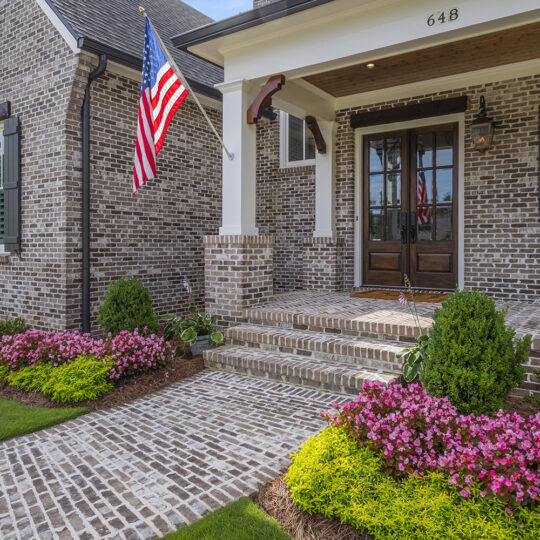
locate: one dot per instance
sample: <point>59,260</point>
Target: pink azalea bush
<point>417,433</point>
<point>131,353</point>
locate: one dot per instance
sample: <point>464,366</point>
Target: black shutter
<point>12,192</point>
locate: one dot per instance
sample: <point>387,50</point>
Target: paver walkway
<point>151,466</point>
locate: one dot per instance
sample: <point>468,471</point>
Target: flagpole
<point>180,75</point>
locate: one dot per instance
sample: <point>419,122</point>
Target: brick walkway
<point>156,464</point>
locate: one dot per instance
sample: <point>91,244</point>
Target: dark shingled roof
<point>118,25</point>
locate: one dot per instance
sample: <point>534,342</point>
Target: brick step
<point>360,327</point>
<point>319,346</point>
<point>292,368</point>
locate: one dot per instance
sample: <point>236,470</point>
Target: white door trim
<point>358,154</point>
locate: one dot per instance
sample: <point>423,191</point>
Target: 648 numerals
<point>443,17</point>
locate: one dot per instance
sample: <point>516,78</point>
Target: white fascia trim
<point>458,118</point>
<point>431,86</point>
<point>69,38</point>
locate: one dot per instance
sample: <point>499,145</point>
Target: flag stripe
<point>162,92</point>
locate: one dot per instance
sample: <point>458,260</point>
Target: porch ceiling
<point>489,50</point>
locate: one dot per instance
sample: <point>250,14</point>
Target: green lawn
<point>17,419</point>
<point>240,520</point>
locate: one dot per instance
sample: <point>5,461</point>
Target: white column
<point>325,184</point>
<point>239,174</point>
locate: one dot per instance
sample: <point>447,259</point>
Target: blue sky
<point>220,9</point>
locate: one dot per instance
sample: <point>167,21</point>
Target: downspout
<point>85,304</point>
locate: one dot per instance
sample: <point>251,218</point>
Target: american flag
<point>162,92</point>
<point>424,212</point>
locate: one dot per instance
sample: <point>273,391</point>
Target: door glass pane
<point>393,222</point>
<point>393,154</point>
<point>424,222</point>
<point>393,189</point>
<point>424,188</point>
<point>310,144</point>
<point>376,190</point>
<point>445,143</point>
<point>424,150</point>
<point>444,223</point>
<point>444,185</point>
<point>376,224</point>
<point>296,139</point>
<point>376,155</point>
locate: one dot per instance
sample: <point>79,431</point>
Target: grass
<point>18,419</point>
<point>240,520</point>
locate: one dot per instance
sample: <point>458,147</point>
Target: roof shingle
<point>118,24</point>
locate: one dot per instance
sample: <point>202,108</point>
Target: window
<point>1,182</point>
<point>297,142</point>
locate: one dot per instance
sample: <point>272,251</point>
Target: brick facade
<point>155,236</point>
<point>285,206</point>
<point>238,274</point>
<point>323,264</point>
<point>502,225</point>
<point>37,77</point>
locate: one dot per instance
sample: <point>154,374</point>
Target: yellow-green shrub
<point>30,378</point>
<point>86,378</point>
<point>331,475</point>
<point>4,372</point>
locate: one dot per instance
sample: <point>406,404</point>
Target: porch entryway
<point>410,183</point>
<point>330,341</point>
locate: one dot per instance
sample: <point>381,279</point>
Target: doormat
<point>389,294</point>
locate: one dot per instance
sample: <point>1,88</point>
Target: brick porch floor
<point>340,310</point>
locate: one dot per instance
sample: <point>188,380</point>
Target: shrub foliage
<point>471,356</point>
<point>127,306</point>
<point>331,475</point>
<point>84,379</point>
<point>13,326</point>
<point>415,434</point>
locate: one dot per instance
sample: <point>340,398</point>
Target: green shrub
<point>86,378</point>
<point>471,356</point>
<point>4,372</point>
<point>331,475</point>
<point>13,326</point>
<point>127,306</point>
<point>31,378</point>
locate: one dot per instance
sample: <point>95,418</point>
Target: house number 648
<point>443,16</point>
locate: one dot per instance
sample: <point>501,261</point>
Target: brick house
<point>328,207</point>
<point>388,180</point>
<point>49,48</point>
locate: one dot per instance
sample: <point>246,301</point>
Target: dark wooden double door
<point>410,207</point>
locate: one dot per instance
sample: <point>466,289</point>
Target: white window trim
<point>284,162</point>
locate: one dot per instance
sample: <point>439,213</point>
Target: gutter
<point>85,304</point>
<point>129,60</point>
<point>242,21</point>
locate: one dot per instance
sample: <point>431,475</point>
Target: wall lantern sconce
<point>482,128</point>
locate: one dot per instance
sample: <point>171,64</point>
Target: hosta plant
<point>189,329</point>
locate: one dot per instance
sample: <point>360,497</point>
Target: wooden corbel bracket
<point>264,98</point>
<point>313,126</point>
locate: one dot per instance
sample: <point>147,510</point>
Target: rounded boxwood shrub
<point>9,327</point>
<point>471,356</point>
<point>333,476</point>
<point>127,306</point>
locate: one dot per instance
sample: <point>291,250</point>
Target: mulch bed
<point>274,498</point>
<point>520,406</point>
<point>126,390</point>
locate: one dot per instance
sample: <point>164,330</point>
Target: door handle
<point>403,227</point>
<point>413,228</point>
